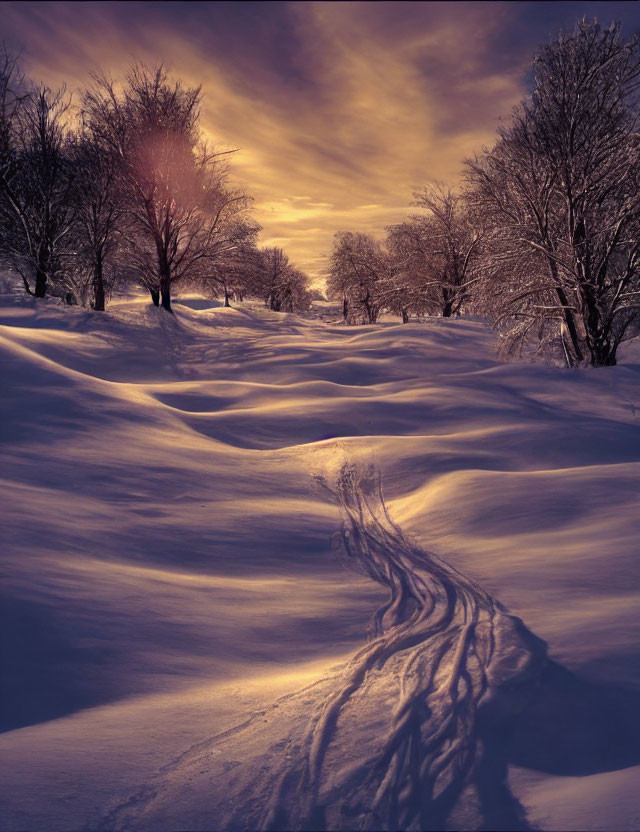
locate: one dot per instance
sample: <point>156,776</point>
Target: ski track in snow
<point>157,483</point>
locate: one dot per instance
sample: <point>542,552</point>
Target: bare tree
<point>11,97</point>
<point>283,287</point>
<point>36,180</point>
<point>100,218</point>
<point>357,271</point>
<point>561,191</point>
<point>297,297</point>
<point>274,275</point>
<point>433,255</point>
<point>10,100</point>
<point>412,288</point>
<point>233,271</point>
<point>452,241</point>
<point>175,188</point>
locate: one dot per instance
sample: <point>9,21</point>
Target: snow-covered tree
<point>560,193</point>
<point>433,255</point>
<point>358,272</point>
<point>283,287</point>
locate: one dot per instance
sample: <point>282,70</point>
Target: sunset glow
<point>339,110</point>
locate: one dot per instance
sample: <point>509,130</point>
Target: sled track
<point>443,662</point>
<point>458,646</point>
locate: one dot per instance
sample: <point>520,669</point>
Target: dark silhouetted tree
<point>36,182</point>
<point>100,217</point>
<point>175,190</point>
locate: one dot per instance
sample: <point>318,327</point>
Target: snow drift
<point>177,626</point>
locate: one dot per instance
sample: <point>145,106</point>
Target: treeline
<point>120,188</point>
<point>543,236</point>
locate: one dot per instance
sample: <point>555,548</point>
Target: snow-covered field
<point>168,572</point>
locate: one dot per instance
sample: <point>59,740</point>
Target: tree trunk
<point>165,297</point>
<point>604,358</point>
<point>371,314</point>
<point>601,351</point>
<point>568,315</point>
<point>345,309</point>
<point>27,288</point>
<point>155,296</point>
<point>447,303</point>
<point>226,297</point>
<point>274,302</point>
<point>571,325</point>
<point>98,287</point>
<point>41,283</point>
<point>165,285</point>
<point>405,316</point>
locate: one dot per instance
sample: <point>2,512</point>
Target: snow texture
<point>183,646</point>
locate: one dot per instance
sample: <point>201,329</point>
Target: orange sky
<point>339,110</point>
